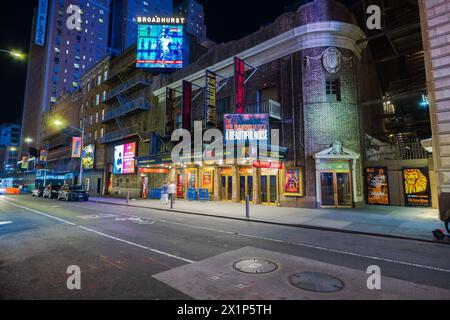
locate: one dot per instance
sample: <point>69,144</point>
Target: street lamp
<point>60,123</point>
<point>15,54</point>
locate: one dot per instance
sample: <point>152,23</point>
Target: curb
<point>300,226</point>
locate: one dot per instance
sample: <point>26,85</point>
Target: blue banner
<point>41,23</point>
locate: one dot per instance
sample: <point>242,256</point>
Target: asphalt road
<point>120,249</point>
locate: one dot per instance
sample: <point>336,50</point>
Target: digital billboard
<point>88,156</point>
<point>417,187</point>
<point>377,186</point>
<point>160,46</point>
<point>243,127</point>
<point>124,155</point>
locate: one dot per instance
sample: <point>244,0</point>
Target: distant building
<point>9,141</point>
<point>195,16</point>
<point>60,53</point>
<point>123,33</point>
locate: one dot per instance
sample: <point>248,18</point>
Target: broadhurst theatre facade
<point>302,73</point>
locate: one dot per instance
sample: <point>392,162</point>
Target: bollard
<point>171,200</point>
<point>247,207</point>
<point>128,197</point>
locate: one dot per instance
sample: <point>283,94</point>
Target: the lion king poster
<point>416,182</point>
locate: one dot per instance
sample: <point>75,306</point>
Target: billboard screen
<point>160,46</point>
<point>88,156</point>
<point>41,23</point>
<point>417,187</point>
<point>243,127</point>
<point>377,186</point>
<point>124,155</point>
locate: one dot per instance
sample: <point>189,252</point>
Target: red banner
<point>239,82</point>
<point>187,101</point>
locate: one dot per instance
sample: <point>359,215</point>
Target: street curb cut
<point>300,226</point>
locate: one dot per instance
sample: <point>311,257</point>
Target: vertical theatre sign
<point>417,187</point>
<point>76,147</point>
<point>41,23</point>
<point>210,104</point>
<point>239,85</point>
<point>377,186</point>
<point>170,110</point>
<point>43,155</point>
<point>187,101</point>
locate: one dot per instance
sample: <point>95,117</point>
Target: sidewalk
<point>383,220</point>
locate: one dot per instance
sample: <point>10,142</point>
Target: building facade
<point>123,33</point>
<point>435,30</point>
<point>195,17</point>
<point>62,48</point>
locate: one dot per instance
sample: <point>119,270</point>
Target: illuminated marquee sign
<point>210,105</point>
<point>160,20</point>
<point>243,127</point>
<point>41,23</point>
<point>239,83</point>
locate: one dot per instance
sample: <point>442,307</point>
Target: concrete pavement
<point>123,253</point>
<point>383,220</point>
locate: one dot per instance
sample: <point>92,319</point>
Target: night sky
<point>226,20</point>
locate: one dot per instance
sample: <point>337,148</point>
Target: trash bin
<point>154,194</point>
<point>191,194</point>
<point>203,194</point>
<point>444,206</point>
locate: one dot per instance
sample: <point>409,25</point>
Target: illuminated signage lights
<point>41,23</point>
<point>239,81</point>
<point>160,20</point>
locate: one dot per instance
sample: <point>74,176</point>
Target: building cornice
<point>321,34</point>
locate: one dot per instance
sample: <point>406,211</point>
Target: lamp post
<point>59,123</point>
<point>28,141</point>
<point>15,54</point>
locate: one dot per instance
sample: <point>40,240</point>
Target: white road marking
<point>2,223</point>
<point>103,234</point>
<point>305,245</point>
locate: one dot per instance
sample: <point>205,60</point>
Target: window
<point>99,80</point>
<point>96,117</point>
<point>102,132</point>
<point>333,88</point>
<point>95,135</point>
<point>97,99</point>
<point>92,120</point>
<point>103,114</point>
<point>104,96</point>
<point>105,75</point>
<point>82,108</point>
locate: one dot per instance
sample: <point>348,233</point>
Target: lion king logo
<point>415,181</point>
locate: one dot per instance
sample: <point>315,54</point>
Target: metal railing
<point>119,134</point>
<point>398,147</point>
<point>134,105</point>
<point>273,108</point>
<point>140,79</point>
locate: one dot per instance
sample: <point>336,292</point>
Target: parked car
<point>73,193</point>
<point>51,191</point>
<point>38,192</point>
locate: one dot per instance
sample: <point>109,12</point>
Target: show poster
<point>293,182</point>
<point>88,156</point>
<point>76,147</point>
<point>124,158</point>
<point>416,182</point>
<point>243,127</point>
<point>208,180</point>
<point>377,186</point>
<point>43,155</point>
<point>160,46</point>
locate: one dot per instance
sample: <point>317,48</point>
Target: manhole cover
<point>317,282</point>
<point>255,266</point>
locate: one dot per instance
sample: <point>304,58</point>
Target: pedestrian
<point>164,194</point>
<point>171,189</point>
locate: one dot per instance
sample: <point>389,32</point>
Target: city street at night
<point>132,253</point>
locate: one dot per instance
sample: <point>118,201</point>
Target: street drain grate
<point>255,266</point>
<point>317,282</point>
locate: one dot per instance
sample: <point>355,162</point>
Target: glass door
<point>269,189</point>
<point>227,188</point>
<point>245,187</point>
<point>336,189</point>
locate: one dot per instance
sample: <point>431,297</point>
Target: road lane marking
<point>2,223</point>
<point>299,244</point>
<point>104,234</point>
